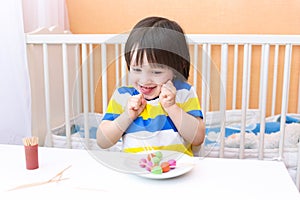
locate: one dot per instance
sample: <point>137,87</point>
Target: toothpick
<point>30,141</point>
<point>53,179</point>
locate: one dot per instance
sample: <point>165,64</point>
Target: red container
<point>32,157</point>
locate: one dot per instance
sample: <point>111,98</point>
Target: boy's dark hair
<point>162,41</point>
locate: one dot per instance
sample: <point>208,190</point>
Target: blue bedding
<point>270,127</point>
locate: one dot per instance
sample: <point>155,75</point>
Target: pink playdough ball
<point>143,162</point>
<point>149,166</point>
<point>172,163</point>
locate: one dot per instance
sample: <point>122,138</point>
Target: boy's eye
<point>136,69</point>
<point>156,72</point>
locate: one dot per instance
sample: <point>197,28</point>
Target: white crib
<point>73,76</point>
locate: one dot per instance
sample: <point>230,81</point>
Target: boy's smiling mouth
<point>147,89</point>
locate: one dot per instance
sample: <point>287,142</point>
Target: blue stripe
<point>132,91</point>
<point>180,85</point>
<point>110,116</point>
<point>159,123</point>
<point>196,113</point>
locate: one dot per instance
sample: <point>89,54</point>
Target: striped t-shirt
<point>153,129</point>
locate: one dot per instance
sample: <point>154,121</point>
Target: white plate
<point>184,164</point>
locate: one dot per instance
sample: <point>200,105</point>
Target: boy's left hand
<point>167,94</point>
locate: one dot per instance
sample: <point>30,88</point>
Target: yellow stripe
<point>191,104</point>
<point>152,111</point>
<point>175,147</point>
<point>114,107</point>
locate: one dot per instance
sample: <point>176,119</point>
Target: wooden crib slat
<point>117,60</point>
<point>276,52</point>
<point>205,79</point>
<point>262,55</point>
<point>263,102</point>
<point>104,76</point>
<point>208,73</point>
<point>244,99</point>
<point>235,72</point>
<point>91,77</point>
<point>47,93</point>
<point>78,94</point>
<point>66,94</point>
<point>285,94</point>
<point>123,66</point>
<point>249,72</point>
<point>223,91</point>
<point>85,89</point>
<point>195,65</point>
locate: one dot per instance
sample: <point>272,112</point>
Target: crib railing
<point>229,72</point>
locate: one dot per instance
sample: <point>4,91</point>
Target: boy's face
<point>149,78</point>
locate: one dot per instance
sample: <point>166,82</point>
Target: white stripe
<point>183,95</point>
<point>159,138</point>
<point>121,98</point>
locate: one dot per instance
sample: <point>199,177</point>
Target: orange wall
<point>195,16</point>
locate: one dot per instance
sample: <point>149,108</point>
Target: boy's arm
<point>109,132</point>
<point>189,127</point>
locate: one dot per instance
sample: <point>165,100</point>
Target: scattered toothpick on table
<point>30,141</point>
<point>56,178</point>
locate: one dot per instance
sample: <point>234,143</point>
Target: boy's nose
<point>145,78</point>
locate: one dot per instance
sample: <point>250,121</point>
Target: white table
<point>211,178</point>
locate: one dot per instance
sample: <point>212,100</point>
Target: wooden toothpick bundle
<point>30,141</point>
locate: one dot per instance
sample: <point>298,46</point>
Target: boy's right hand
<point>136,104</point>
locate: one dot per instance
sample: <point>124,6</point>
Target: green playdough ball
<point>155,160</point>
<point>156,170</point>
<point>158,154</point>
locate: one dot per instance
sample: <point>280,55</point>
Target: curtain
<point>15,100</point>
<point>18,17</point>
<point>41,14</point>
<point>45,17</point>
